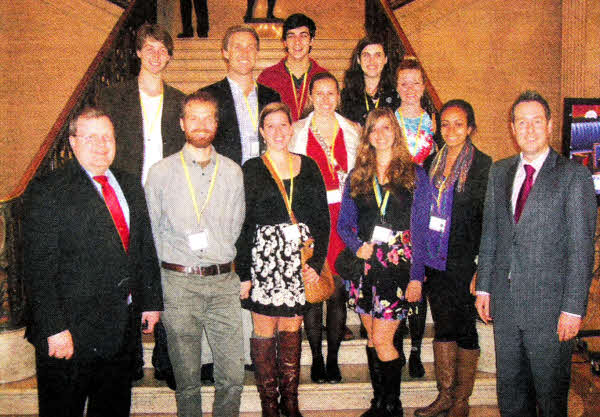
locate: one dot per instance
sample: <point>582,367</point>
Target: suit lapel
<point>510,179</point>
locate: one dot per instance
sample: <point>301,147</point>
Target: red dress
<point>316,152</point>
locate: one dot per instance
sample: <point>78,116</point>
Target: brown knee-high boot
<point>263,354</point>
<point>444,360</point>
<point>288,361</point>
<point>466,367</point>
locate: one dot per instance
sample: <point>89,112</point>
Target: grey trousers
<point>193,304</point>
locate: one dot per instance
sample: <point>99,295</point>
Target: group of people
<point>239,175</point>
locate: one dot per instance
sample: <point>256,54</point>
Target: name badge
<point>254,148</point>
<point>198,241</point>
<point>334,196</point>
<point>291,233</point>
<point>382,234</point>
<point>437,224</point>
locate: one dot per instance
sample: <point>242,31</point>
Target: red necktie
<point>112,202</point>
<point>524,192</point>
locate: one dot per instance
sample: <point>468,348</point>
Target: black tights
<point>336,322</point>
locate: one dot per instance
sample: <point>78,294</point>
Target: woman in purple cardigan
<point>383,222</point>
<point>459,174</point>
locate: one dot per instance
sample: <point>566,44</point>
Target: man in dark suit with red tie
<point>535,264</point>
<point>90,261</point>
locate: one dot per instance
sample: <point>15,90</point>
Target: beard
<point>200,138</point>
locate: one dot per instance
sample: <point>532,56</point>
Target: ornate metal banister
<point>115,61</point>
<point>380,20</point>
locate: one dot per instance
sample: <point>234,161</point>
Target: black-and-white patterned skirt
<point>277,287</point>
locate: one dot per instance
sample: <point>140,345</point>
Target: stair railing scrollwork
<point>115,61</point>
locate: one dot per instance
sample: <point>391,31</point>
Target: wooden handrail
<point>385,5</point>
<point>67,109</point>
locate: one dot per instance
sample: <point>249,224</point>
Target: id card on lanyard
<point>198,240</point>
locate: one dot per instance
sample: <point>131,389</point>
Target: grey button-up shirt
<point>172,210</point>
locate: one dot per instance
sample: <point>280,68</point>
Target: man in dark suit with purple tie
<point>90,263</point>
<point>535,264</point>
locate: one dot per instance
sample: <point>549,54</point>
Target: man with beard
<point>196,204</point>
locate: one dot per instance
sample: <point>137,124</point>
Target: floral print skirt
<point>380,291</point>
<point>277,287</point>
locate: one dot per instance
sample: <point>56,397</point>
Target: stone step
<point>218,64</point>
<point>265,44</point>
<point>354,393</point>
<point>352,352</point>
<point>199,62</point>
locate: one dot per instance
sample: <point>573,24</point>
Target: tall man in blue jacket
<point>535,263</point>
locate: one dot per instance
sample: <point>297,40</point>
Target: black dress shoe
<point>207,373</point>
<point>317,371</point>
<point>185,35</point>
<point>202,33</point>
<point>249,368</point>
<point>334,375</point>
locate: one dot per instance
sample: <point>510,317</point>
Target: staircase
<point>354,393</point>
<point>198,62</point>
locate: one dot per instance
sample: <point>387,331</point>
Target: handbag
<point>349,266</point>
<point>323,288</point>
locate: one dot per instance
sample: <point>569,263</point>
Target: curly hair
<point>354,77</point>
<point>401,171</point>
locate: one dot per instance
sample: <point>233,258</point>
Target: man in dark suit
<point>535,264</point>
<point>91,262</point>
<point>145,110</point>
<point>145,113</point>
<point>240,98</point>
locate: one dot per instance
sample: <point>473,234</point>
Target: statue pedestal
<point>17,356</point>
<point>487,359</point>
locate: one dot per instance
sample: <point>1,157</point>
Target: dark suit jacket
<point>549,253</point>
<point>228,139</point>
<point>77,273</point>
<point>122,103</point>
<point>467,215</point>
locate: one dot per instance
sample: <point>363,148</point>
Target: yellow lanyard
<point>191,187</point>
<point>414,150</point>
<point>377,189</point>
<point>331,162</point>
<point>367,102</point>
<point>156,116</point>
<point>442,187</point>
<point>298,104</point>
<point>253,115</point>
<point>291,196</point>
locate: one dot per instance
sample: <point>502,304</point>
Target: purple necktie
<point>524,192</point>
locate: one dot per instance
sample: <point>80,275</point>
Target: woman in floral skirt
<point>383,220</point>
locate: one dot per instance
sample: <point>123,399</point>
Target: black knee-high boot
<point>392,377</point>
<point>417,330</point>
<point>378,402</point>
